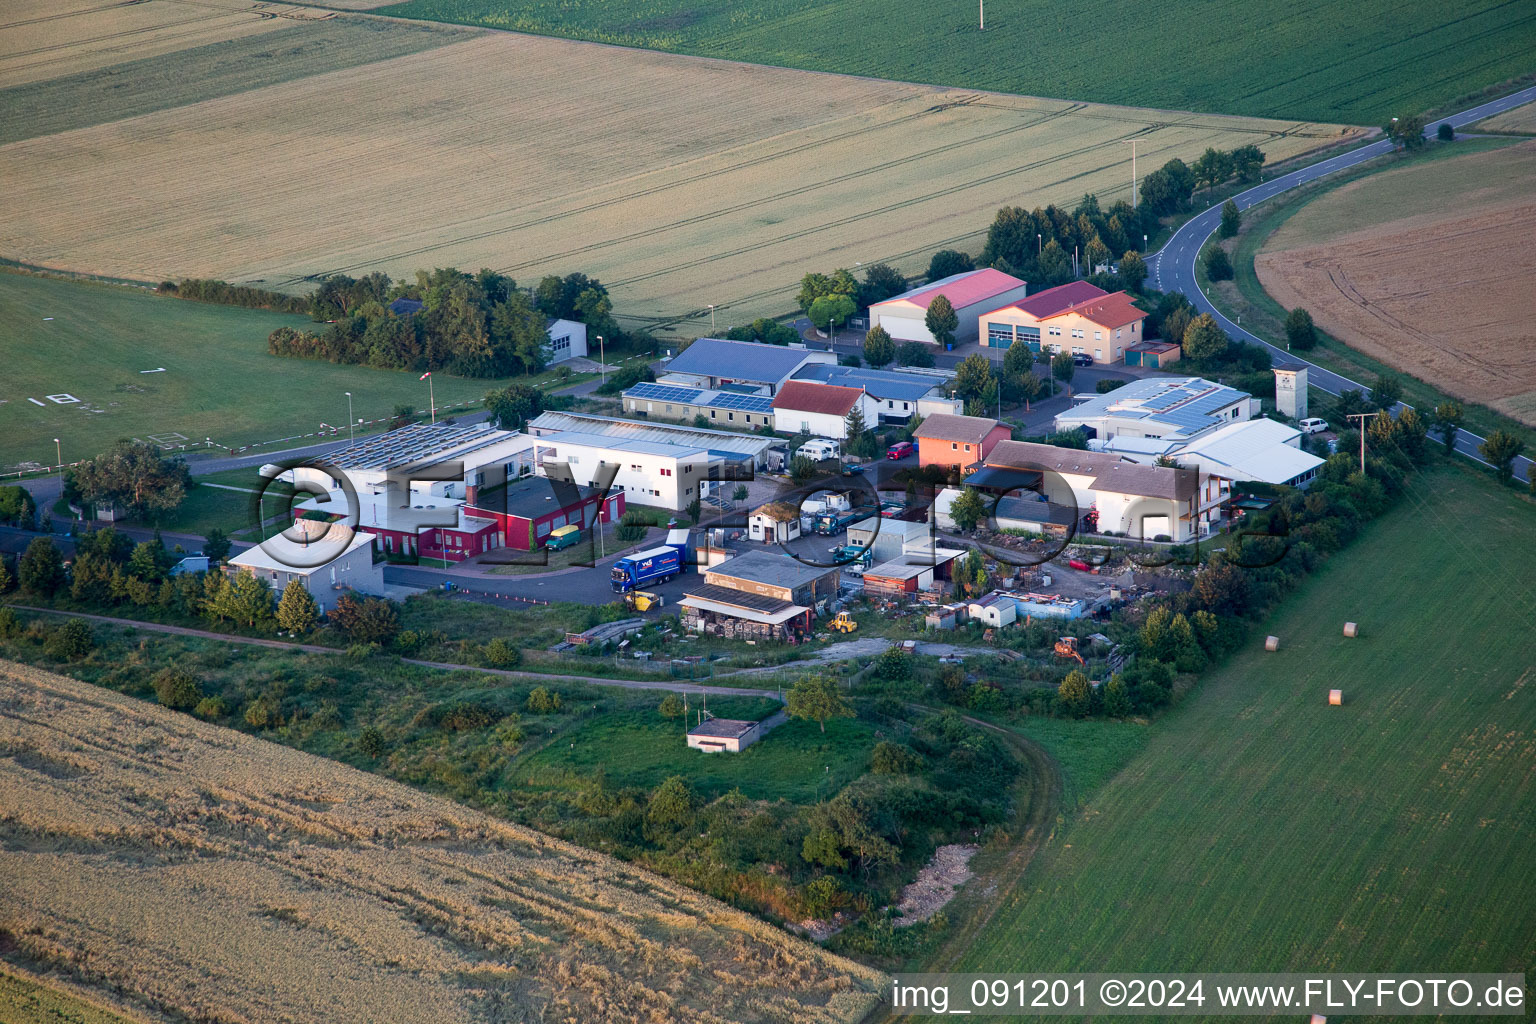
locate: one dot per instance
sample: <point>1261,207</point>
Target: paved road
<point>1173,267</point>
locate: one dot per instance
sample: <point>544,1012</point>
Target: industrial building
<point>898,394</point>
<point>716,362</point>
<point>1176,408</point>
<point>758,595</point>
<point>971,293</point>
<point>280,561</point>
<point>734,407</point>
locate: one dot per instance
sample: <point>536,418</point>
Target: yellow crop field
<point>1520,119</point>
<point>208,875</point>
<point>678,181</point>
<point>42,39</point>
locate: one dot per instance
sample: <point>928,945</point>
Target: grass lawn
<point>23,1001</point>
<point>1246,298</point>
<point>1261,829</point>
<point>219,381</point>
<point>637,747</point>
<point>1356,63</point>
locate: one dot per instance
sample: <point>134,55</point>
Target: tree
<point>216,546</point>
<point>861,440</point>
<point>1213,167</point>
<point>1445,133</point>
<point>670,808</point>
<point>1203,339</point>
<point>297,611</point>
<point>1231,220</point>
<point>245,599</point>
<point>1172,327</point>
<point>1248,163</point>
<point>1406,132</point>
<point>914,353</point>
<point>948,262</point>
<point>6,577</point>
<point>177,689</point>
<point>17,507</point>
<point>1117,699</point>
<point>1448,417</point>
<point>815,698</point>
<point>968,509</point>
<point>831,311</point>
<point>1300,331</point>
<point>365,619</point>
<point>973,376</point>
<point>942,321</point>
<point>514,405</point>
<point>1074,696</point>
<point>134,479</point>
<point>671,706</point>
<point>1500,450</point>
<point>894,665</point>
<point>1096,253</point>
<point>1218,265</point>
<point>542,701</point>
<point>41,569</point>
<point>879,349</point>
<point>1387,391</point>
<point>816,286</point>
<point>694,511</point>
<point>801,468</point>
<point>881,281</point>
<point>1063,367</point>
<point>1055,265</point>
<point>1133,270</point>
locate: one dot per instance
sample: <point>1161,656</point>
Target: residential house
<point>898,394</point>
<point>821,410</point>
<point>960,441</point>
<point>343,560</point>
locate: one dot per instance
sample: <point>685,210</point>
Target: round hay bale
<point>1336,697</point>
<point>1351,629</point>
<point>1271,643</point>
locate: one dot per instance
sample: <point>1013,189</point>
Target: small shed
<point>897,577</point>
<point>724,735</point>
<point>774,523</point>
<point>994,609</point>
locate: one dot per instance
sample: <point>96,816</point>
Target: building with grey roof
<point>1177,408</point>
<point>899,394</point>
<point>713,362</point>
<point>740,452</point>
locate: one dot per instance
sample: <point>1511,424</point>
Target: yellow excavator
<point>843,623</point>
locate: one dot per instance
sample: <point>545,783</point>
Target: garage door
<point>905,328</point>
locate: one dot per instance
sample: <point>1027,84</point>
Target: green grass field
<point>23,1001</point>
<point>1357,63</point>
<point>205,72</point>
<point>1263,830</point>
<point>795,762</point>
<point>219,381</point>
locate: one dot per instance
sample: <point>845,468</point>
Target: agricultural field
<point>1520,120</point>
<point>50,84</point>
<point>29,1000</point>
<point>218,379</point>
<point>677,182</point>
<point>181,867</point>
<point>1356,62</point>
<point>1396,264</point>
<point>1261,829</point>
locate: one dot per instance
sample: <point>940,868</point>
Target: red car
<point>900,450</point>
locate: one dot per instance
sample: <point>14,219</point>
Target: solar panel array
<point>406,446</point>
<point>746,403</point>
<point>699,396</point>
<point>666,393</point>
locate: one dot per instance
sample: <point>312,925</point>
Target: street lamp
<point>58,451</point>
<point>351,436</point>
<point>1039,245</point>
<point>711,318</point>
<point>602,359</point>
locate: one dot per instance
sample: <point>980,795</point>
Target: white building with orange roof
<point>972,293</point>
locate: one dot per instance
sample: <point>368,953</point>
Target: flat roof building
<point>712,362</point>
<point>1178,408</point>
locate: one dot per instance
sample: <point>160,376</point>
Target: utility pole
<point>1133,173</point>
<point>983,4</point>
<point>711,318</point>
<point>602,359</point>
<point>351,437</point>
<point>1362,417</point>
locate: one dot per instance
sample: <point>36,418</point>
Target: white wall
<point>792,421</point>
<point>675,480</point>
<point>567,340</point>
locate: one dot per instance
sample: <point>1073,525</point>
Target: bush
<point>70,641</point>
<point>464,717</point>
<point>210,708</point>
<point>264,712</point>
<point>894,759</point>
<point>500,654</point>
<point>10,624</point>
<point>1445,133</point>
<point>632,526</point>
<point>894,665</point>
<point>409,641</point>
<point>1108,384</point>
<point>822,896</point>
<point>670,707</point>
<point>543,702</point>
<point>365,619</point>
<point>1218,265</point>
<point>176,689</point>
<point>370,742</point>
<point>362,652</point>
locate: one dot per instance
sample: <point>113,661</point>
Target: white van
<point>1313,425</point>
<point>820,449</point>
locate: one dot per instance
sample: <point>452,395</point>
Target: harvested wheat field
<point>192,872</point>
<point>1520,119</point>
<point>1427,268</point>
<point>678,181</point>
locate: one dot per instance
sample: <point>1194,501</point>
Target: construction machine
<point>1066,647</point>
<point>843,623</point>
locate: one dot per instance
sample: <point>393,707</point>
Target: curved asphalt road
<point>1173,266</point>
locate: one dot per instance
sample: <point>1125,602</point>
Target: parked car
<point>900,450</point>
<point>1313,425</point>
<point>1082,359</point>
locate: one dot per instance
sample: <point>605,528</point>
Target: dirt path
<point>626,684</point>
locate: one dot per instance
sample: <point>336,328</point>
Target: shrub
<point>1445,133</point>
<point>671,706</point>
<point>670,808</point>
<point>264,712</point>
<point>370,742</point>
<point>500,654</point>
<point>632,526</point>
<point>894,665</point>
<point>1108,384</point>
<point>10,624</point>
<point>177,689</point>
<point>70,641</point>
<point>822,896</point>
<point>1218,265</point>
<point>362,652</point>
<point>465,717</point>
<point>409,641</point>
<point>366,619</point>
<point>894,759</point>
<point>543,702</point>
<point>210,708</point>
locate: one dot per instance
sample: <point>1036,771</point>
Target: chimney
<point>471,487</point>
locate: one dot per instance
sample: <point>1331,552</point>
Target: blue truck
<point>653,565</point>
